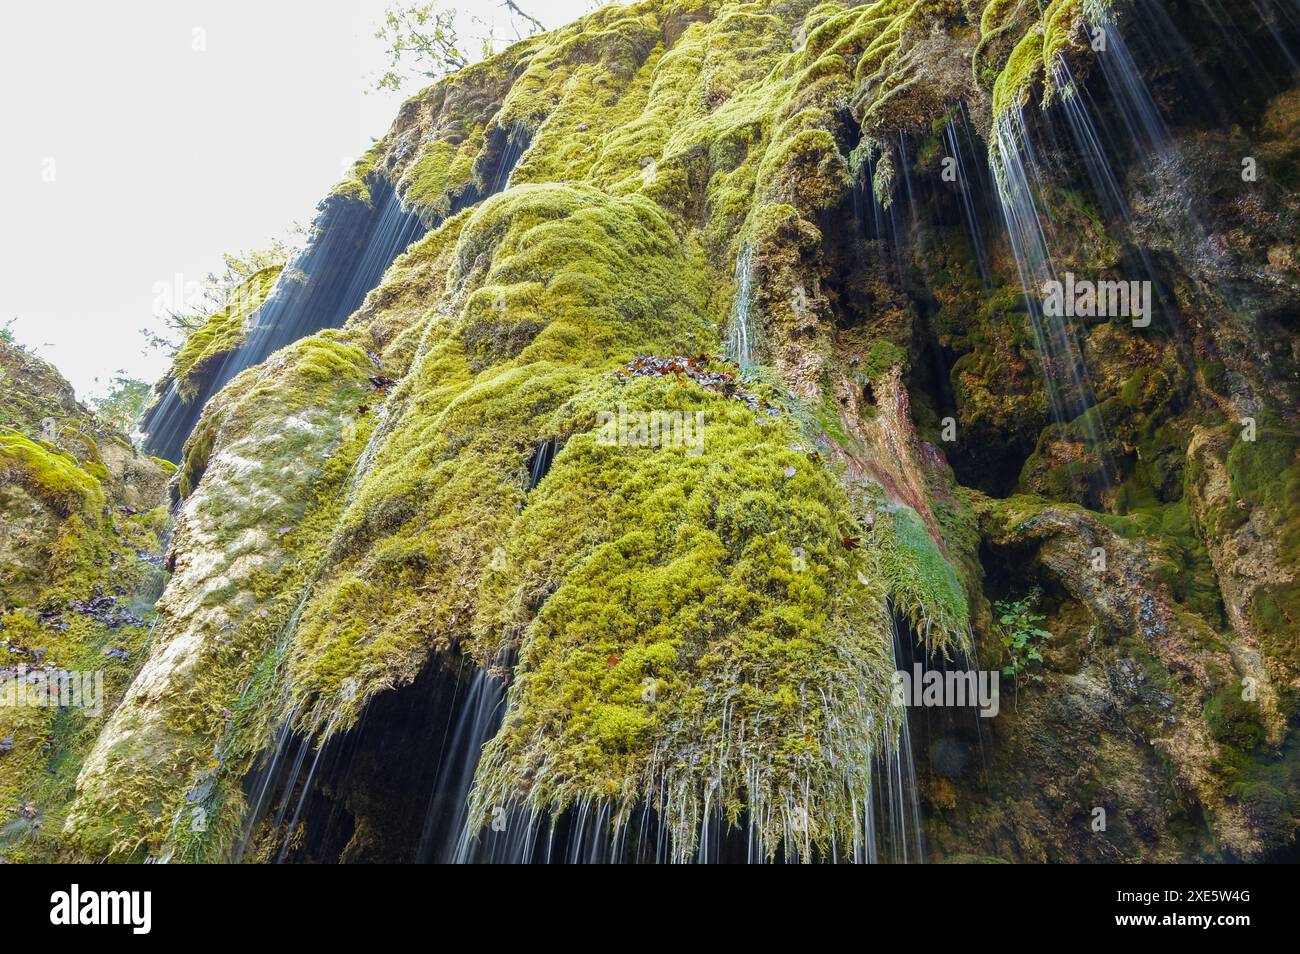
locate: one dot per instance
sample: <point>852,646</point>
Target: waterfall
<point>742,338</point>
<point>898,814</point>
<point>1137,109</point>
<point>881,232</point>
<point>351,247</point>
<point>960,139</point>
<point>475,720</point>
<point>1028,226</point>
<point>887,828</point>
<point>540,465</point>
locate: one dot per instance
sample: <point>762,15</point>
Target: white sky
<point>163,156</point>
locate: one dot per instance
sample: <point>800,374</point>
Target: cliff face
<point>523,473</point>
<point>80,565</point>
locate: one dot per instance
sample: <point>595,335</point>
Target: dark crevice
<point>540,462</point>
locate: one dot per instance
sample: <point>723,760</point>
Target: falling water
<point>351,247</point>
<point>881,231</point>
<point>1096,149</point>
<point>959,137</point>
<point>742,338</point>
<point>897,822</point>
<point>1131,134</point>
<point>540,465</point>
<point>1137,109</point>
<point>517,141</point>
<point>474,721</point>
<point>1020,187</point>
<point>887,827</point>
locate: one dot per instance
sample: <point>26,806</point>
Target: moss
<point>356,184</point>
<point>222,333</point>
<point>1183,562</point>
<point>551,287</point>
<point>33,393</point>
<point>442,170</point>
<point>719,583</point>
<point>924,588</point>
<point>74,586</point>
<point>1234,721</point>
<point>1264,783</point>
<point>1023,69</point>
<point>420,517</point>
<point>52,476</point>
<point>274,444</point>
<point>1265,480</point>
<point>1042,40</point>
<point>884,354</point>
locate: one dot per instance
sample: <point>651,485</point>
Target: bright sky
<point>144,139</point>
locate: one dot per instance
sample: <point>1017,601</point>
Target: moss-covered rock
<point>278,441</point>
<point>223,332</point>
<point>522,453</point>
<point>83,517</point>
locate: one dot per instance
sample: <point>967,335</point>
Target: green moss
<point>356,184</point>
<point>557,284</point>
<point>421,518</point>
<point>1023,69</point>
<point>884,354</point>
<point>33,393</point>
<point>689,587</point>
<point>52,476</point>
<point>1265,783</point>
<point>222,333</point>
<point>273,448</point>
<point>66,540</point>
<point>1047,39</point>
<point>442,170</point>
<point>1183,562</point>
<point>922,584</point>
<point>1234,721</point>
<point>1265,476</point>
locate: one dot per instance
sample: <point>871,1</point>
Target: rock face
<point>517,471</point>
<point>83,516</point>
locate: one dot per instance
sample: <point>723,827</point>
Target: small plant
<point>124,404</point>
<point>1021,636</point>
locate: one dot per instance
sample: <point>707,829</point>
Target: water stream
<point>351,247</point>
<point>742,336</point>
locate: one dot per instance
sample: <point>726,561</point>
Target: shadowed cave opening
<point>372,793</point>
<point>393,789</point>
